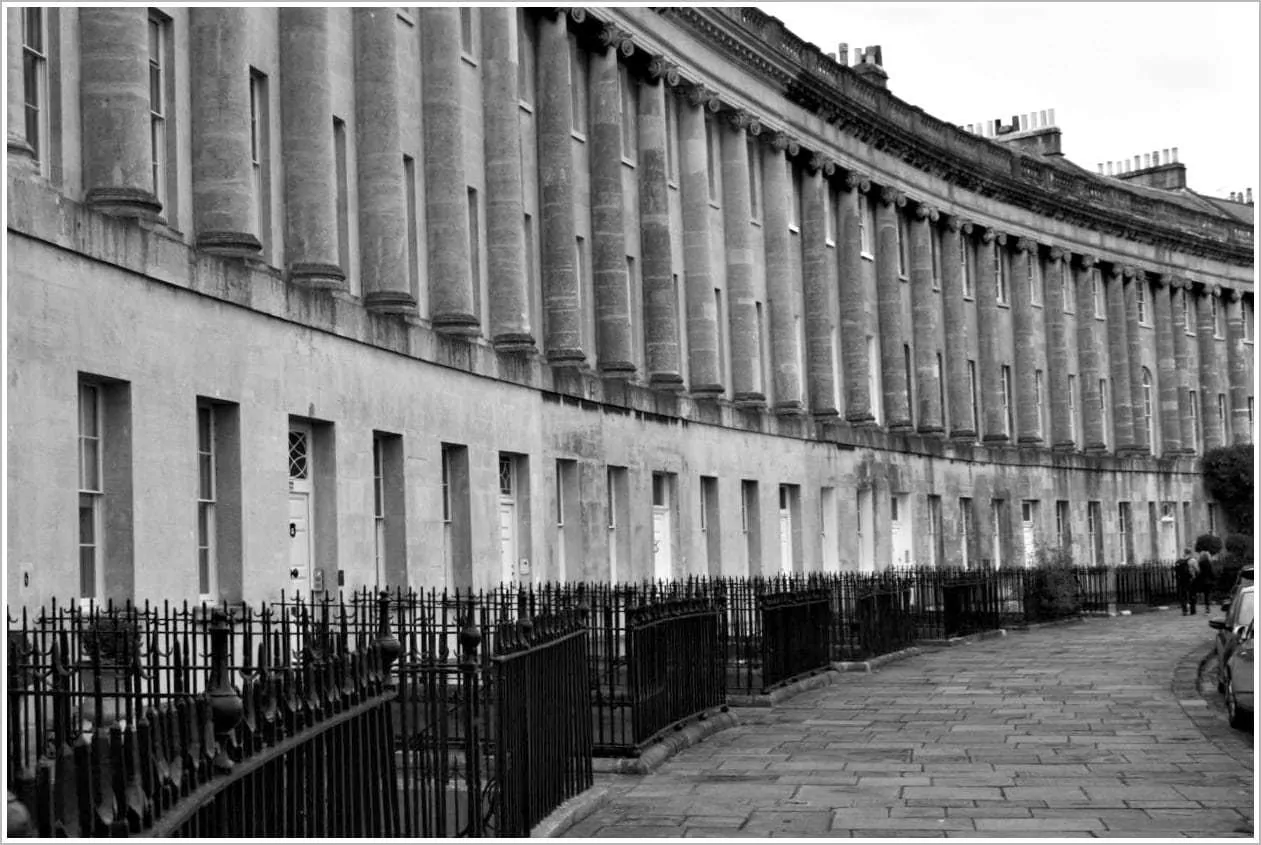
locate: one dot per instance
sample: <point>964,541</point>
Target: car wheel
<point>1239,718</point>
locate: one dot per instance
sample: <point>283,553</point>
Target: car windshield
<point>1245,609</point>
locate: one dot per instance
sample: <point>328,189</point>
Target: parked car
<point>1240,679</point>
<point>1243,579</point>
<point>1230,630</point>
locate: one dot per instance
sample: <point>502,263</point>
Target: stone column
<point>1094,439</point>
<point>925,314</point>
<point>382,190</point>
<point>661,322</point>
<point>1119,354</point>
<point>741,298</point>
<point>224,205</point>
<point>816,279</point>
<point>1237,358</point>
<point>21,153</point>
<point>889,307</point>
<point>779,273</point>
<point>957,235</point>
<point>1132,279</point>
<point>1167,366</point>
<point>510,328</point>
<point>854,357</point>
<point>990,365</point>
<point>114,103</point>
<point>702,319</point>
<point>452,304</point>
<point>1210,368</point>
<point>614,349</point>
<point>306,107</point>
<point>1057,351</point>
<point>1028,421</point>
<point>1186,377</point>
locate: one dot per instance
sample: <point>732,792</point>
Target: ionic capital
<point>1087,262</point>
<point>667,71</point>
<point>1056,254</point>
<point>699,95</point>
<point>821,163</point>
<point>613,36</point>
<point>857,181</point>
<point>1026,245</point>
<point>892,196</point>
<point>1232,294</point>
<point>993,236</point>
<point>925,211</point>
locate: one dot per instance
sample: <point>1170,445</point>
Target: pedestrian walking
<point>1184,576</point>
<point>1204,582</point>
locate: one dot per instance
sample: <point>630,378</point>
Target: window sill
<point>1035,304</point>
<point>829,242</point>
<point>525,107</point>
<point>754,222</point>
<point>867,256</point>
<point>714,205</point>
<point>902,277</point>
<point>406,18</point>
<point>467,58</point>
<point>626,162</point>
<point>1101,318</point>
<point>967,297</point>
<point>794,228</point>
<point>578,136</point>
<point>672,183</point>
<point>1003,305</point>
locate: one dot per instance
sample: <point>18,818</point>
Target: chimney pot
<point>1101,168</point>
<point>1175,155</point>
<point>1155,158</point>
<point>1147,160</point>
<point>1249,199</point>
<point>1109,168</point>
<point>1051,116</point>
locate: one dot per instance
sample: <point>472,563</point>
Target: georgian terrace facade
<point>304,298</point>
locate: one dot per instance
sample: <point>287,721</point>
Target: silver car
<point>1231,629</point>
<point>1240,681</point>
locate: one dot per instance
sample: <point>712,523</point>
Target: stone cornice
<point>761,45</point>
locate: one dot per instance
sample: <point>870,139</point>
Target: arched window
<point>1147,408</point>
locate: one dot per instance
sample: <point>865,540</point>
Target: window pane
<point>34,37</point>
<point>87,520</point>
<point>155,89</point>
<point>206,474</point>
<point>91,469</point>
<point>203,524</point>
<point>155,40</point>
<point>203,429</point>
<point>203,571</point>
<point>87,410</point>
<point>87,572</point>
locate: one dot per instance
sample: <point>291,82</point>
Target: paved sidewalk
<point>1069,731</point>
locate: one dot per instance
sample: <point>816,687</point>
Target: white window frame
<point>1092,530</point>
<point>158,116</point>
<point>446,485</point>
<point>35,75</point>
<point>904,245</point>
<point>1005,376</point>
<point>1072,408</point>
<point>672,142</point>
<point>864,229</point>
<point>829,216</point>
<point>1000,276</point>
<point>1104,423</point>
<point>965,263</point>
<point>527,82</point>
<point>754,154</point>
<point>934,248</point>
<point>745,487</point>
<point>1148,411</point>
<point>1123,530</point>
<point>1217,311</point>
<point>1038,403</point>
<point>1194,401</point>
<point>260,155</point>
<point>207,497</point>
<point>93,494</point>
<point>1096,292</point>
<point>1034,272</point>
<point>1140,300</point>
<point>579,68</point>
<point>628,97</point>
<point>1188,324</point>
<point>378,506</point>
<point>1068,306</point>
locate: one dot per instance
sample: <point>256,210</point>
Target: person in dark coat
<point>1204,583</point>
<point>1184,577</point>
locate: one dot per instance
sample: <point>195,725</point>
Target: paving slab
<point>1094,729</point>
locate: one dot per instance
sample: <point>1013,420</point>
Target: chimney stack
<point>842,54</point>
<point>1175,155</point>
<point>1249,199</point>
<point>869,65</point>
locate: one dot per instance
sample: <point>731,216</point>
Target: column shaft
<point>306,106</point>
<point>702,317</point>
<point>1210,369</point>
<point>19,147</point>
<point>889,309</point>
<point>661,320</point>
<point>1237,356</point>
<point>1134,349</point>
<point>779,280</point>
<point>816,280</point>
<point>452,302</point>
<point>741,297</point>
<point>1119,356</point>
<point>224,205</point>
<point>114,101</point>
<point>854,357</point>
<point>925,316</point>
<point>382,191</point>
<point>1089,370</point>
<point>510,327</point>
<point>1056,327</point>
<point>955,239</point>
<point>608,232</point>
<point>1167,367</point>
<point>1028,420</point>
<point>1185,375</point>
<point>994,429</point>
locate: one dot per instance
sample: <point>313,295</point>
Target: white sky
<point>1124,78</point>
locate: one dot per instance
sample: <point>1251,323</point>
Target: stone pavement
<point>1090,729</point>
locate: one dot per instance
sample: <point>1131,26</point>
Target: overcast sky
<point>1124,78</point>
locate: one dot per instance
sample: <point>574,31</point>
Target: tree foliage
<point>1210,543</point>
<point>1228,479</point>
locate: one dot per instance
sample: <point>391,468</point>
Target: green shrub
<point>1228,480</point>
<point>1052,590</point>
<point>1239,546</point>
<point>1210,543</point>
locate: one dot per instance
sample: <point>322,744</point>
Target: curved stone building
<point>302,298</point>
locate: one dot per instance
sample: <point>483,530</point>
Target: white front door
<point>507,540</point>
<point>662,559</point>
<point>785,541</point>
<point>900,531</point>
<point>300,541</point>
<point>301,490</point>
<point>1028,533</point>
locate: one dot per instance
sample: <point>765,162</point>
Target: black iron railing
<point>543,744</point>
<point>796,635</point>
